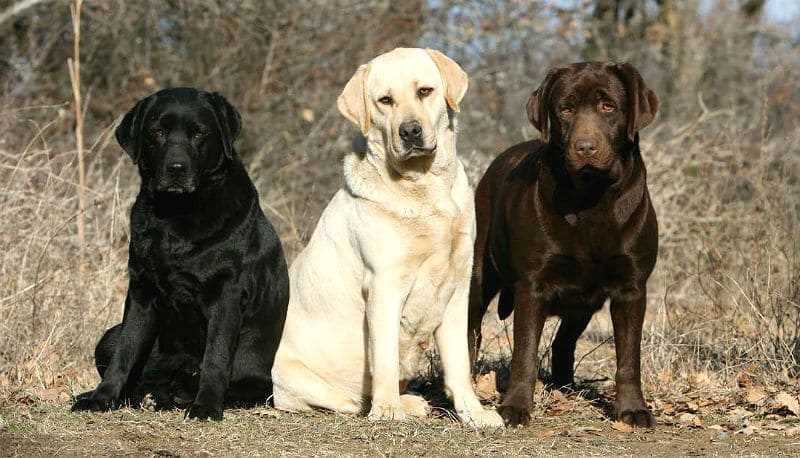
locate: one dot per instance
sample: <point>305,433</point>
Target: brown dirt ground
<point>48,428</point>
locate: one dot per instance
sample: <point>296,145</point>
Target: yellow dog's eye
<point>424,92</point>
<point>386,100</point>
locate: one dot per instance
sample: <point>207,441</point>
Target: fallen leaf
<point>486,386</point>
<point>747,430</point>
<point>265,412</point>
<point>755,395</point>
<point>744,380</point>
<point>739,413</point>
<point>622,427</point>
<point>545,434</point>
<point>775,427</point>
<point>691,420</point>
<point>786,400</point>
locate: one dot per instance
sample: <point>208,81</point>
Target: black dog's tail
<point>505,305</point>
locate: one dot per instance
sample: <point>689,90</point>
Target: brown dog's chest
<point>576,261</point>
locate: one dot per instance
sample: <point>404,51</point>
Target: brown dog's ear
<point>642,102</point>
<point>352,102</point>
<point>229,121</point>
<point>129,131</point>
<point>455,78</point>
<point>538,107</point>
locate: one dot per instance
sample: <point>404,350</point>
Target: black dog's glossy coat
<point>565,223</point>
<point>208,286</point>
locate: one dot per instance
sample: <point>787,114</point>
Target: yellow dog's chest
<point>441,270</point>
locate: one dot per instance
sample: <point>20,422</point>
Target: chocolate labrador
<point>208,286</point>
<point>565,223</point>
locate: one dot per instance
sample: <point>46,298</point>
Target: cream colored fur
<point>386,273</point>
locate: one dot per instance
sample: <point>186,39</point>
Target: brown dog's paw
<point>204,412</point>
<point>514,416</point>
<point>640,417</point>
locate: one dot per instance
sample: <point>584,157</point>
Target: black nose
<point>585,147</point>
<point>176,167</point>
<point>411,132</point>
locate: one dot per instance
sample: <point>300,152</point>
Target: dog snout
<point>411,133</point>
<point>586,146</point>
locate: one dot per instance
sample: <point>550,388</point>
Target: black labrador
<point>564,224</point>
<point>208,286</point>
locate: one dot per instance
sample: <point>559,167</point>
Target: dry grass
<point>724,172</point>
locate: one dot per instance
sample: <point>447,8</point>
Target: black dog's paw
<point>92,404</point>
<point>204,412</point>
<point>514,416</point>
<point>639,417</point>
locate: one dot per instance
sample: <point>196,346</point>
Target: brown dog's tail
<point>505,304</point>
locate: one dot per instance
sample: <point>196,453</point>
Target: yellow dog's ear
<point>455,79</point>
<point>352,102</point>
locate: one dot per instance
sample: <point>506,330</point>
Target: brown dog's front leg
<point>529,320</point>
<point>627,315</point>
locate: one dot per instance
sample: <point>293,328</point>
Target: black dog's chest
<point>166,262</point>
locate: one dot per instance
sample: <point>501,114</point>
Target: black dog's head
<point>179,137</point>
<point>592,112</point>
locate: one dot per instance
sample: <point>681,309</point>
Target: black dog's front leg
<point>224,325</point>
<point>136,339</point>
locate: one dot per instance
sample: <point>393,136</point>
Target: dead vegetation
<point>721,354</point>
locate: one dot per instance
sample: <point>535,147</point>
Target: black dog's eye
<point>607,107</point>
<point>158,132</point>
<point>424,92</point>
<point>199,134</point>
<point>386,100</point>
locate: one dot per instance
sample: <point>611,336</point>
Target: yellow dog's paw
<point>382,412</point>
<point>414,406</point>
<point>483,418</point>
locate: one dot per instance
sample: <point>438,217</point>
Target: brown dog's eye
<point>567,111</point>
<point>424,92</point>
<point>386,100</point>
<point>607,107</point>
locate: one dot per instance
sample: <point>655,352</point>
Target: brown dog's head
<point>592,111</point>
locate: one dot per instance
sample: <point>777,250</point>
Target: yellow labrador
<point>388,266</point>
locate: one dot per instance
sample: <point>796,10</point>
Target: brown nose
<point>585,147</point>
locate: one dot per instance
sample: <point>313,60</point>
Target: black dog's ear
<point>129,130</point>
<point>538,107</point>
<point>229,120</point>
<point>642,102</point>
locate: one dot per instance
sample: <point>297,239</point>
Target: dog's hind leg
<point>483,288</point>
<point>563,360</point>
<point>105,348</point>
